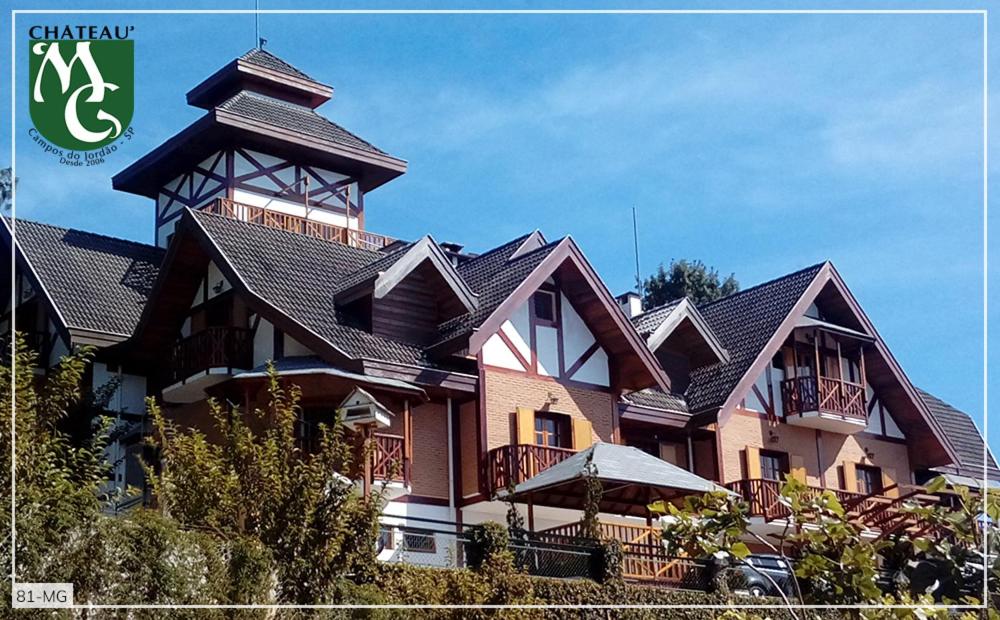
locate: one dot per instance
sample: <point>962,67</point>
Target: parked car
<point>752,573</point>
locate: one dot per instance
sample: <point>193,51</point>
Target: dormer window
<point>545,306</point>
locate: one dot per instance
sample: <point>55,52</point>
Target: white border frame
<point>985,15</point>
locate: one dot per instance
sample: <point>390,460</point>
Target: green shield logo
<point>82,92</point>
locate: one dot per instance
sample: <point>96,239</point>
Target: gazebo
<point>630,481</point>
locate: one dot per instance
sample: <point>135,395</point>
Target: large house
<point>476,374</point>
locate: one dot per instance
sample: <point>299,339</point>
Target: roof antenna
<point>635,240</point>
<point>258,41</point>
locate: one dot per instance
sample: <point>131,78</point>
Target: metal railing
<point>212,347</point>
<point>297,224</point>
<point>513,464</point>
<point>802,394</point>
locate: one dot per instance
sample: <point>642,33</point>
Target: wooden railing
<point>802,394</point>
<point>389,458</point>
<point>213,347</point>
<point>297,224</point>
<point>516,463</point>
<point>764,498</point>
<point>644,558</point>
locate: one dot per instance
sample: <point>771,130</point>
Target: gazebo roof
<point>631,480</point>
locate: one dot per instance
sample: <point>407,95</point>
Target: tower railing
<point>297,224</point>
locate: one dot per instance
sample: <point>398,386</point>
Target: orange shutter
<point>797,468</point>
<point>753,462</point>
<point>525,426</point>
<point>889,480</point>
<point>583,435</point>
<point>850,477</point>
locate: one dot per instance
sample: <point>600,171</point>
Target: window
<point>545,306</point>
<point>419,542</point>
<point>869,479</point>
<point>552,429</point>
<point>773,465</point>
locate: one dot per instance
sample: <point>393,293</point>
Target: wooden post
<point>531,513</point>
<point>366,434</point>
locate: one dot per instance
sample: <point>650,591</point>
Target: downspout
<point>452,510</point>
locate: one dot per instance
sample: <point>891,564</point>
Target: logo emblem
<point>82,92</point>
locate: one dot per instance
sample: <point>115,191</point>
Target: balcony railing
<point>764,498</point>
<point>389,458</point>
<point>823,394</point>
<point>514,464</point>
<point>213,347</point>
<point>297,224</point>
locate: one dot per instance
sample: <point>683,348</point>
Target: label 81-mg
<point>43,595</point>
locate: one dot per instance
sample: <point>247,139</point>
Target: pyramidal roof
<point>262,101</point>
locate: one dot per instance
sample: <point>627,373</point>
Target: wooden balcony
<point>516,463</point>
<point>297,224</point>
<point>223,348</point>
<point>825,403</point>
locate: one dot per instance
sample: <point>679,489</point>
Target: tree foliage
<point>684,278</point>
<point>301,505</point>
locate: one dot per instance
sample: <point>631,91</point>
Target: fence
<point>433,542</point>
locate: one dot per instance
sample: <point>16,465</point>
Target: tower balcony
<point>298,224</point>
<point>825,403</point>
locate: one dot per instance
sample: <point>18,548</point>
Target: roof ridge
<point>673,301</point>
<point>762,284</point>
<point>500,247</point>
<point>85,232</point>
<point>548,245</point>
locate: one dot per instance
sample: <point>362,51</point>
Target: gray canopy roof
<point>632,479</point>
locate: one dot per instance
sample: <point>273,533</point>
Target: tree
<point>683,278</point>
<point>302,506</point>
<point>7,183</point>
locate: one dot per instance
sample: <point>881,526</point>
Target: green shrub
<point>485,541</point>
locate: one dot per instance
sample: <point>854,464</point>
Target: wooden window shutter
<point>668,453</point>
<point>583,436</point>
<point>889,480</point>
<point>850,477</point>
<point>753,462</point>
<point>797,468</point>
<point>525,426</point>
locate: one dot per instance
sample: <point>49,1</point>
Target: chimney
<point>631,304</point>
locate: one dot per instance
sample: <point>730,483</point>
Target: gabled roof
<point>965,439</point>
<point>298,275</point>
<point>98,285</point>
<point>384,274</point>
<point>680,311</point>
<point>744,322</point>
<point>636,367</point>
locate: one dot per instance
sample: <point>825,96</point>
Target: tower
<point>262,153</point>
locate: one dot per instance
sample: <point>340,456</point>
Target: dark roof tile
<point>963,435</point>
<point>97,283</point>
<point>292,117</point>
<point>263,58</point>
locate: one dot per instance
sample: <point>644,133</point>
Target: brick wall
<point>750,428</point>
<point>505,391</point>
<point>429,473</point>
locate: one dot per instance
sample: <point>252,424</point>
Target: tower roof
<point>263,72</point>
<point>259,101</point>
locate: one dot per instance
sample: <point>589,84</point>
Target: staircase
<point>885,515</point>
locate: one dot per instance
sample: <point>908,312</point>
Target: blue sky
<point>759,144</point>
